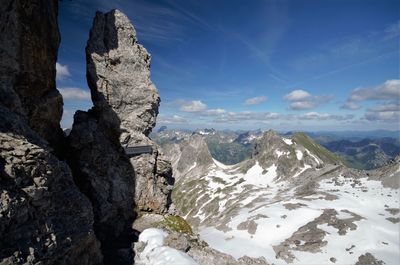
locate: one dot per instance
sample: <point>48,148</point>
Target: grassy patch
<point>175,223</point>
<point>320,151</point>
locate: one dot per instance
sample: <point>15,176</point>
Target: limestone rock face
<point>105,175</point>
<point>191,154</point>
<point>126,105</point>
<point>29,40</point>
<point>118,72</point>
<point>43,216</point>
<point>44,219</point>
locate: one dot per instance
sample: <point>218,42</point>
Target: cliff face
<point>125,109</point>
<point>29,40</point>
<point>126,103</point>
<point>43,216</point>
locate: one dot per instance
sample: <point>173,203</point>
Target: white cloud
<point>382,116</point>
<point>387,111</point>
<point>174,119</point>
<point>301,100</point>
<point>255,100</point>
<point>234,117</point>
<point>247,116</point>
<point>198,107</point>
<point>386,91</point>
<point>323,116</point>
<point>193,106</point>
<point>62,71</point>
<point>214,112</point>
<point>297,95</point>
<point>301,105</point>
<point>387,106</point>
<point>74,93</point>
<point>350,105</point>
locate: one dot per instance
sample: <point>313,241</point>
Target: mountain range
<point>231,147</point>
<point>291,201</point>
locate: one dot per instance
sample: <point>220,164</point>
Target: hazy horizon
<point>285,65</point>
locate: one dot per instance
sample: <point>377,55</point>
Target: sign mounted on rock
<point>131,151</point>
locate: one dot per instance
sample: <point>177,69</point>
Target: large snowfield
<point>343,219</point>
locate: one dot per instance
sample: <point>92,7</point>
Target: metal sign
<point>138,150</point>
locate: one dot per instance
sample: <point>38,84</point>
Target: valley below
<point>291,202</point>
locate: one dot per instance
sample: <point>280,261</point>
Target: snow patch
<point>193,166</point>
<point>287,141</point>
<point>280,153</point>
<point>299,154</point>
<point>155,253</point>
<point>256,177</point>
<point>313,156</point>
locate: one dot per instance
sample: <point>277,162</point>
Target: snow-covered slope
<point>156,253</point>
<point>293,202</point>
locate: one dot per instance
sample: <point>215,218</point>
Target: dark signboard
<point>138,150</point>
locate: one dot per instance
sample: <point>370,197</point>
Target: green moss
<point>175,223</point>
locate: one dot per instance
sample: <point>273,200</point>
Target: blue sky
<point>285,65</point>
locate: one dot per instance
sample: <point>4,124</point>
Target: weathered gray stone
<point>368,259</point>
<point>118,72</point>
<point>44,219</point>
<point>104,174</point>
<point>126,105</point>
<point>29,40</point>
<point>43,216</point>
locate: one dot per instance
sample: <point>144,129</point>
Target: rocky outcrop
<point>118,72</point>
<point>44,219</point>
<point>125,109</point>
<point>43,216</point>
<point>126,102</point>
<point>104,174</point>
<point>191,153</point>
<point>29,40</point>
